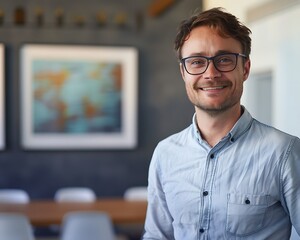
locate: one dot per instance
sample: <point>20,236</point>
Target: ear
<point>247,66</point>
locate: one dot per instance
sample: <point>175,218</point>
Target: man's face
<point>214,91</point>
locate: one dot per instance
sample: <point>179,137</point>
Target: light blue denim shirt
<point>245,187</point>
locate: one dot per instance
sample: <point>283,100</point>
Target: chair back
<point>14,196</point>
<point>136,194</point>
<point>87,225</point>
<point>15,227</point>
<point>75,194</point>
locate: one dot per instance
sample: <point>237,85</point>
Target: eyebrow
<point>204,55</point>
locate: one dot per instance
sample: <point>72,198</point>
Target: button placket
<point>206,201</point>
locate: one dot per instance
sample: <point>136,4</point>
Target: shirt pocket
<point>245,213</point>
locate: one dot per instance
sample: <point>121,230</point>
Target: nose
<point>211,71</point>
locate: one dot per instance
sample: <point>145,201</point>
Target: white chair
<point>87,225</point>
<point>15,227</point>
<point>136,194</point>
<point>72,194</point>
<point>14,196</point>
<point>75,194</point>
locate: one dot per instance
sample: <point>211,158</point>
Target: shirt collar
<point>241,126</point>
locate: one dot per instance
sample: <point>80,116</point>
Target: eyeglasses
<point>225,62</point>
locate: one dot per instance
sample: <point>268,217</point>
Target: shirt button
<point>247,201</point>
<point>205,193</point>
<point>212,156</point>
<point>201,230</point>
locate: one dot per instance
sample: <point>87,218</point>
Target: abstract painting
<point>78,97</point>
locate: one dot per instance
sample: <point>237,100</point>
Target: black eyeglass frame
<point>182,60</point>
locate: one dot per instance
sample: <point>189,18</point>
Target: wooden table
<point>48,212</point>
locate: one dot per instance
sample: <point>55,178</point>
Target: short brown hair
<point>226,24</point>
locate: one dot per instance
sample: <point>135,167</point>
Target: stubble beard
<point>217,109</point>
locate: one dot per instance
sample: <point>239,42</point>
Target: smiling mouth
<point>212,88</point>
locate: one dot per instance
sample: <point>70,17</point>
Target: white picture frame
<point>78,97</point>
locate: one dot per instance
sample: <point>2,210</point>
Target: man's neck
<point>214,127</point>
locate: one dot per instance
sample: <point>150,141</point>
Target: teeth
<point>212,88</point>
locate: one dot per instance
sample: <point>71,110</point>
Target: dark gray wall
<point>163,107</point>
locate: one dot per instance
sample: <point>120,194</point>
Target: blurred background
<point>162,106</point>
<point>271,93</point>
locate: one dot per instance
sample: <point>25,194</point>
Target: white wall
<point>276,48</point>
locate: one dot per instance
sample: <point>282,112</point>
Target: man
<point>226,176</point>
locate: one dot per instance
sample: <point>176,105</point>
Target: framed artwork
<point>2,96</point>
<point>78,97</point>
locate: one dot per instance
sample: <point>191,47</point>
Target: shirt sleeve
<point>158,224</point>
<point>291,183</point>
